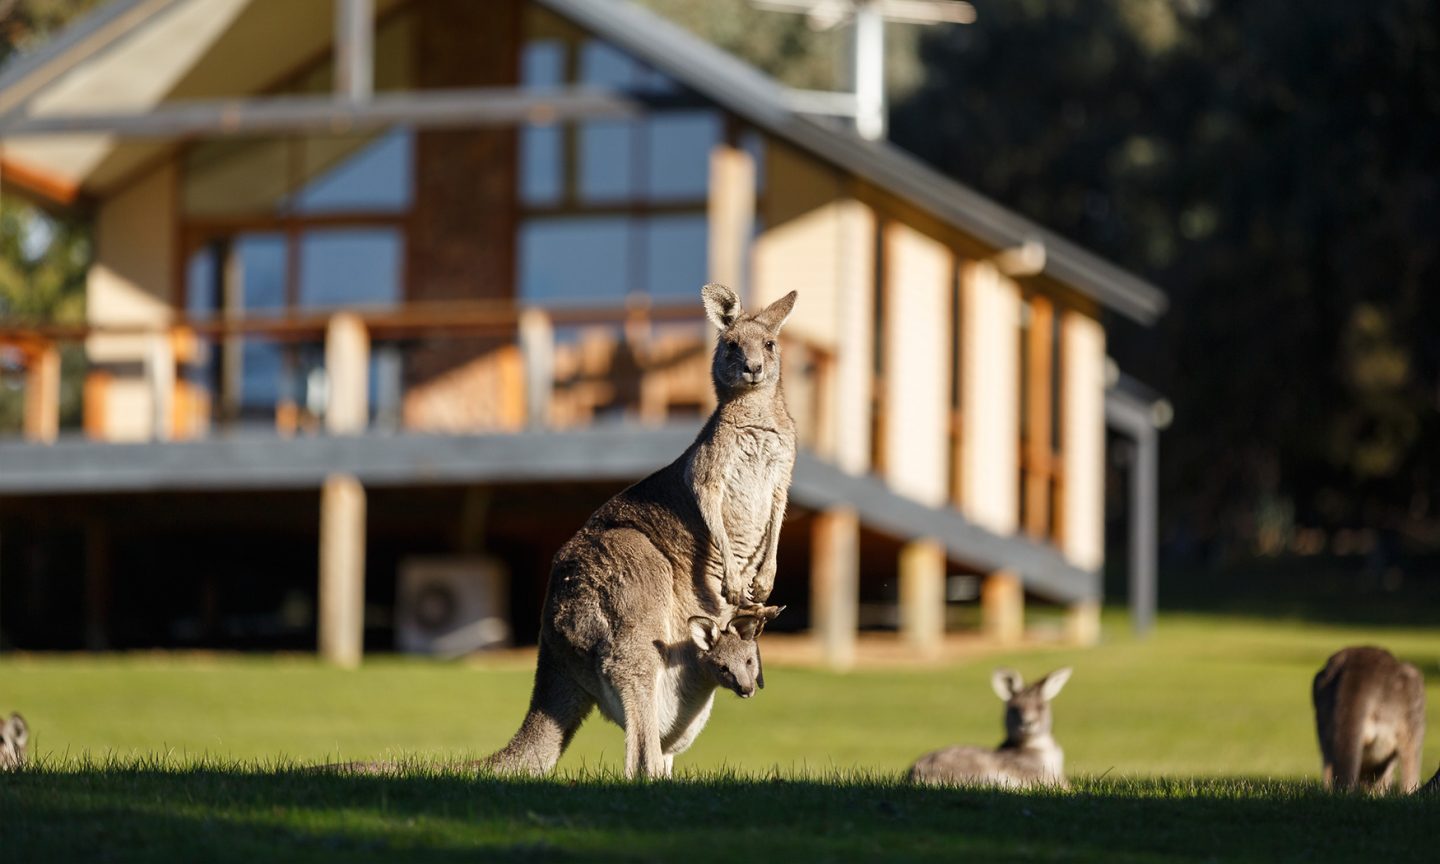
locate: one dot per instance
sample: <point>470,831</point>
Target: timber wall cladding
<point>462,237</point>
<point>820,241</point>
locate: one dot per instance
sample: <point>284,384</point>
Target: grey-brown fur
<point>1370,717</point>
<point>696,538</point>
<point>14,740</point>
<point>1028,756</point>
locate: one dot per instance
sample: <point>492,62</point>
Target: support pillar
<point>342,571</point>
<point>1002,607</point>
<point>42,395</point>
<point>922,596</point>
<point>835,585</point>
<point>1082,623</point>
<point>347,366</point>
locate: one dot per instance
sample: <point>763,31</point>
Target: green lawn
<point>1197,744</point>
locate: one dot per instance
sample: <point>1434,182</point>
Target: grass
<point>1197,744</point>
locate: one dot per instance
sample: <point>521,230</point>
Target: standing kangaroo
<point>1028,756</point>
<point>696,538</point>
<point>1370,714</point>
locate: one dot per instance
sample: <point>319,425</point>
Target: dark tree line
<point>1275,167</point>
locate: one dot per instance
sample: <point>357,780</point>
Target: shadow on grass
<point>150,814</point>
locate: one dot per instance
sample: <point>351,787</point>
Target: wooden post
<point>1082,623</point>
<point>342,571</point>
<point>347,365</point>
<point>835,584</point>
<point>1039,426</point>
<point>537,352</point>
<point>42,394</point>
<point>1002,607</point>
<point>160,379</point>
<point>922,596</point>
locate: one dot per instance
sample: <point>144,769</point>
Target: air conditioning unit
<point>452,606</point>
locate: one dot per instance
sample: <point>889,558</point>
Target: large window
<point>612,208</point>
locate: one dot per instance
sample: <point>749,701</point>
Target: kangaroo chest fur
<point>758,466</point>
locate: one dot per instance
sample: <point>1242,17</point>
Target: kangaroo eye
<point>770,345</point>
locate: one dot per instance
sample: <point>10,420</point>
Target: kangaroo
<point>696,538</point>
<point>14,737</point>
<point>1370,715</point>
<point>1028,756</point>
<point>1433,786</point>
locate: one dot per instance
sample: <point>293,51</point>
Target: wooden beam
<point>922,596</point>
<point>354,49</point>
<point>347,367</point>
<point>342,571</point>
<point>431,109</point>
<point>1002,607</point>
<point>835,585</point>
<point>42,394</point>
<point>38,182</point>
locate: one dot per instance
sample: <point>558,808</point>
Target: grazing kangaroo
<point>1028,756</point>
<point>14,737</point>
<point>696,538</point>
<point>1370,715</point>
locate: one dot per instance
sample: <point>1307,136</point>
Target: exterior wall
<point>818,240</point>
<point>131,281</point>
<point>462,236</point>
<point>919,274</point>
<point>1082,437</point>
<point>989,397</point>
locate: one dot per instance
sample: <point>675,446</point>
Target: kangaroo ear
<point>1050,685</point>
<point>704,632</point>
<point>722,304</point>
<point>17,731</point>
<point>766,614</point>
<point>1006,683</point>
<point>776,314</point>
<point>747,627</point>
<point>760,665</point>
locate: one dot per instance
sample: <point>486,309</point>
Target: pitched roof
<point>750,94</point>
<point>718,76</point>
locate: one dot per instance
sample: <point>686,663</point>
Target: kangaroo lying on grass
<point>1370,714</point>
<point>696,538</point>
<point>1028,756</point>
<point>14,737</point>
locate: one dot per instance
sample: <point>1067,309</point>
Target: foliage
<point>1277,170</point>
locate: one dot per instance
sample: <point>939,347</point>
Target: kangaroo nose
<point>754,368</point>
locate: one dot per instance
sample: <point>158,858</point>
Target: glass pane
<point>676,259</point>
<point>679,149</point>
<point>543,64</point>
<point>202,298</point>
<point>603,65</point>
<point>541,152</point>
<point>582,259</point>
<point>356,174</point>
<point>351,267</point>
<point>262,289</point>
<point>606,160</point>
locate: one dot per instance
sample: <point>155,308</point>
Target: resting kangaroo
<point>696,538</point>
<point>14,736</point>
<point>1028,756</point>
<point>1370,714</point>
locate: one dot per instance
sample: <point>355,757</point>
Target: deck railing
<point>466,367</point>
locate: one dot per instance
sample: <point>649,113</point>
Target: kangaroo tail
<point>557,708</point>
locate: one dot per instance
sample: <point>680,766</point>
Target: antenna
<point>867,59</point>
